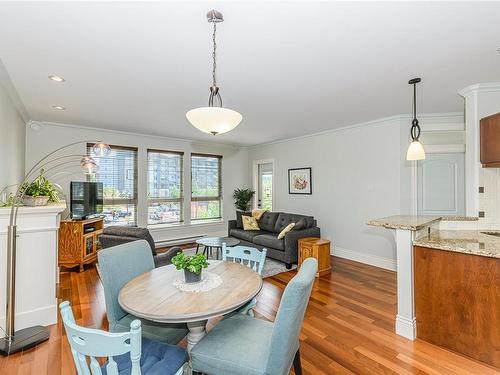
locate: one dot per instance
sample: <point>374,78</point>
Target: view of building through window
<point>164,187</point>
<point>206,196</point>
<point>118,173</point>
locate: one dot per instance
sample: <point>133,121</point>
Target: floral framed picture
<point>299,181</point>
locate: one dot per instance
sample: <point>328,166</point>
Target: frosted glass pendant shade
<point>214,120</point>
<point>415,151</point>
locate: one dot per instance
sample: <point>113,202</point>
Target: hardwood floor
<point>348,328</point>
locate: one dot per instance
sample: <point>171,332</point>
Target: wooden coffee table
<point>210,243</point>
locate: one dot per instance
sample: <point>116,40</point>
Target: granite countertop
<point>408,222</point>
<point>462,241</point>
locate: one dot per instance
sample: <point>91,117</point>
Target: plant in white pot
<point>243,197</point>
<point>191,264</point>
<point>39,192</point>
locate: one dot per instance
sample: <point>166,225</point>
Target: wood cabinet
<point>490,141</point>
<point>79,242</point>
<point>457,302</point>
<point>314,247</point>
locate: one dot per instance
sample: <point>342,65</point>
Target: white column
<point>406,324</point>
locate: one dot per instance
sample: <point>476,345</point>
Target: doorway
<point>263,184</point>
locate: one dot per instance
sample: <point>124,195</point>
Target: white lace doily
<point>208,282</point>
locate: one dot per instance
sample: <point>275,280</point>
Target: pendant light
<point>415,150</point>
<point>214,119</point>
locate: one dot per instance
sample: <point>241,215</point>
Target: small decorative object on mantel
<point>192,266</point>
<point>243,198</point>
<point>39,192</point>
<point>299,181</point>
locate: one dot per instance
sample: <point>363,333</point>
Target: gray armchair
<point>117,235</point>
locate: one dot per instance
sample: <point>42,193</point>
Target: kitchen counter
<point>406,222</point>
<point>462,241</point>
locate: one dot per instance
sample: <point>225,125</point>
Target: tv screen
<point>86,199</point>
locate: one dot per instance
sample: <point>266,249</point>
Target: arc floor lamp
<point>15,341</point>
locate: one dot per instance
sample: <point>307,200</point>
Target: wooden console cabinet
<point>79,242</point>
<point>490,141</point>
<point>316,248</point>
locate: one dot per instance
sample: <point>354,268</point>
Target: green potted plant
<point>243,198</point>
<point>39,192</point>
<point>191,264</point>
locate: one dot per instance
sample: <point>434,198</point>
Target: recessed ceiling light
<point>56,78</point>
<point>59,107</point>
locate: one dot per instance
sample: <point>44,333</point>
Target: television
<point>86,199</point>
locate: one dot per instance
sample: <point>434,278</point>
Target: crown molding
<point>12,93</point>
<point>128,133</point>
<point>480,87</point>
<point>444,117</point>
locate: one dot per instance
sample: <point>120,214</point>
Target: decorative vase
<point>35,201</point>
<point>191,277</point>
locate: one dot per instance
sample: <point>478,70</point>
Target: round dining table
<point>154,296</point>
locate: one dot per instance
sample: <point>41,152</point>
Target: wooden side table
<point>314,247</point>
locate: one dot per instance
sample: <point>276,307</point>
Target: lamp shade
<point>214,120</point>
<point>101,149</point>
<point>415,151</point>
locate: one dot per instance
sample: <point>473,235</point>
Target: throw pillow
<point>239,222</point>
<point>287,229</point>
<point>257,213</point>
<point>301,224</point>
<point>250,223</point>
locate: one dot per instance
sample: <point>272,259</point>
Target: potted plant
<point>191,264</point>
<point>242,198</point>
<point>39,192</point>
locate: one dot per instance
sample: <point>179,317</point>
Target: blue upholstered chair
<point>127,352</point>
<point>117,266</point>
<point>241,344</point>
<point>252,258</point>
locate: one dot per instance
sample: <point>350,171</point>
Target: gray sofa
<point>271,224</point>
<point>117,235</point>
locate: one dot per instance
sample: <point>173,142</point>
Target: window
<point>164,187</point>
<point>206,187</point>
<point>118,173</point>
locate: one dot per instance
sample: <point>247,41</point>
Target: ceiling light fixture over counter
<point>56,78</point>
<point>415,150</point>
<point>59,107</point>
<point>214,119</point>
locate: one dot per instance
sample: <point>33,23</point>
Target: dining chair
<point>241,344</point>
<point>252,258</point>
<point>118,265</point>
<point>127,352</point>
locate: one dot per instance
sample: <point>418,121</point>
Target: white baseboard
<point>406,327</point>
<point>43,316</point>
<point>372,260</point>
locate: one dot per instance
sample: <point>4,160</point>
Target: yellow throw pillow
<point>249,223</point>
<point>287,229</point>
<point>257,213</point>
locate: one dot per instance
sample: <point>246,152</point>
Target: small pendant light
<point>214,119</point>
<point>415,150</point>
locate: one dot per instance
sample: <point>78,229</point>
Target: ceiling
<point>291,68</point>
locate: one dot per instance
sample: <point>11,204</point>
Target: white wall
<point>12,141</point>
<point>359,173</point>
<point>234,173</point>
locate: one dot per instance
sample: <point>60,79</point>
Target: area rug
<point>271,267</point>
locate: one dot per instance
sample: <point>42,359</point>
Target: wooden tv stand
<point>79,242</point>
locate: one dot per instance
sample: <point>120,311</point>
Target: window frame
<point>207,198</point>
<point>166,200</point>
<point>121,201</point>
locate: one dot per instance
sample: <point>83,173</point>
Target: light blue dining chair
<point>241,344</point>
<point>117,266</point>
<point>127,352</point>
<point>250,257</point>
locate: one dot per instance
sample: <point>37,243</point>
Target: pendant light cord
<point>415,127</point>
<point>214,56</point>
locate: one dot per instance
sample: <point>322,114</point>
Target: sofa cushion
<point>249,223</point>
<point>284,219</point>
<point>268,221</point>
<point>239,221</point>
<point>131,232</point>
<point>246,235</point>
<point>269,240</point>
<point>301,224</point>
